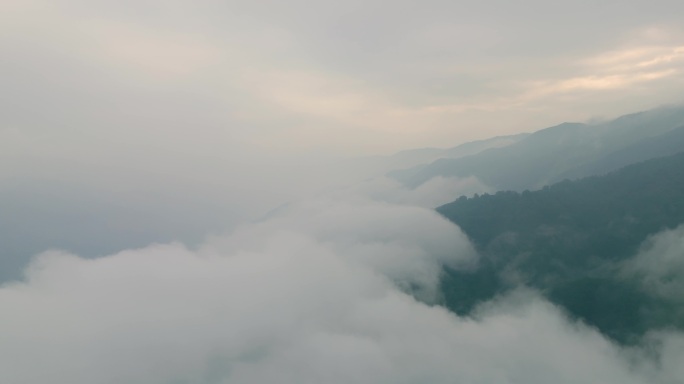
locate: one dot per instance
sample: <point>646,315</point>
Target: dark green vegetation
<point>570,241</point>
<point>569,150</point>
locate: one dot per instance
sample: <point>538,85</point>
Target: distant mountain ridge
<point>420,157</point>
<point>568,150</point>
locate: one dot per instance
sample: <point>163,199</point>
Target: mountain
<point>418,158</point>
<point>666,144</point>
<point>571,241</point>
<point>569,150</point>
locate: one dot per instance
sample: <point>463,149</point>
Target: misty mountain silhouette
<point>569,150</point>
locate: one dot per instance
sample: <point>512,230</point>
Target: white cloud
<point>660,263</point>
<point>408,244</point>
<point>308,295</point>
<point>292,311</point>
<point>431,194</point>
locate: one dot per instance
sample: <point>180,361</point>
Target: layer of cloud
<point>315,293</point>
<point>406,243</point>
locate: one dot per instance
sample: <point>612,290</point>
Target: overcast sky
<point>169,118</point>
<point>348,77</point>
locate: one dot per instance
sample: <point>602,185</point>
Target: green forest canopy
<point>569,241</point>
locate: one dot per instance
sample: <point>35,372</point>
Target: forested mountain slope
<point>571,241</point>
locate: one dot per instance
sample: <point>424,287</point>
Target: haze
<point>197,191</point>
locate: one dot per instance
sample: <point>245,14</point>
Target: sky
<point>179,103</point>
<point>351,78</point>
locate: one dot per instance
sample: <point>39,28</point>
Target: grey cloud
<point>401,73</point>
<point>407,244</point>
<point>302,297</point>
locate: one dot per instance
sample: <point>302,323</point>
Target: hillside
<point>570,240</point>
